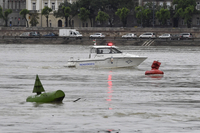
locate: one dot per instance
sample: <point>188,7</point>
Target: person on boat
<point>98,51</point>
<point>110,51</point>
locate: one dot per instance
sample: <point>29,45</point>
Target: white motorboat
<point>106,57</point>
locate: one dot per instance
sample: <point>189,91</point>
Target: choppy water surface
<point>112,100</point>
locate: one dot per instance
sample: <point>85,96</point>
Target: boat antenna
<point>38,87</point>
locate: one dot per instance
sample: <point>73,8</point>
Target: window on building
<point>86,25</point>
<point>19,5</point>
<point>8,4</point>
<point>198,21</point>
<point>15,5</point>
<point>34,6</point>
<point>183,22</point>
<point>49,23</point>
<point>73,23</point>
<point>174,6</point>
<point>53,6</point>
<point>45,4</point>
<point>24,6</point>
<point>145,3</point>
<point>98,23</point>
<point>198,6</point>
<point>107,7</point>
<point>153,22</point>
<point>168,22</point>
<point>161,3</point>
<point>168,4</point>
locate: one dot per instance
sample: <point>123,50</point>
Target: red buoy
<point>154,69</point>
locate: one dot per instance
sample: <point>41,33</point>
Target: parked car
<point>35,34</point>
<point>148,35</point>
<point>187,35</point>
<point>97,35</point>
<point>25,34</point>
<point>177,37</point>
<point>165,36</point>
<point>129,35</point>
<point>50,35</point>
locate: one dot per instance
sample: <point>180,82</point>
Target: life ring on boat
<point>154,71</point>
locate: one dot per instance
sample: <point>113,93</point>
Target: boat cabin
<point>102,50</point>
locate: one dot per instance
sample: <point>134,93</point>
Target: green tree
<point>140,14</point>
<point>143,15</point>
<point>74,11</point>
<point>84,14</point>
<point>123,14</point>
<point>24,12</point>
<point>102,17</point>
<point>34,19</point>
<point>67,11</point>
<point>4,15</point>
<point>185,9</point>
<point>146,13</point>
<point>46,11</point>
<point>113,5</point>
<point>163,15</point>
<point>93,6</point>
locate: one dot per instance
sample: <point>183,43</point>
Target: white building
<point>38,5</point>
<point>15,19</point>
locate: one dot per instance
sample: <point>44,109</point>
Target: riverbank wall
<point>10,35</point>
<point>108,31</point>
<point>87,41</point>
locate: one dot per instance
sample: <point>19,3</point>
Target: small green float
<point>46,97</point>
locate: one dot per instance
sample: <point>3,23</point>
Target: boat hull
<point>108,62</point>
<point>47,97</point>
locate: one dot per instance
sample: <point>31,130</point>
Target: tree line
<point>108,10</point>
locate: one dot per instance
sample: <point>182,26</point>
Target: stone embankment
<point>108,31</point>
<point>10,35</point>
<point>87,41</point>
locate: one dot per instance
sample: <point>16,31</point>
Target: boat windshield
<point>108,51</point>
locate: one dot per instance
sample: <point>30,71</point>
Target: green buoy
<point>46,97</point>
<point>38,87</point>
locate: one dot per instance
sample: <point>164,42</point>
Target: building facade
<point>15,19</point>
<point>38,5</point>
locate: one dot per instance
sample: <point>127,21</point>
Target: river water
<point>111,100</point>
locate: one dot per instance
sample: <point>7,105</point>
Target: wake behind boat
<point>107,57</point>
